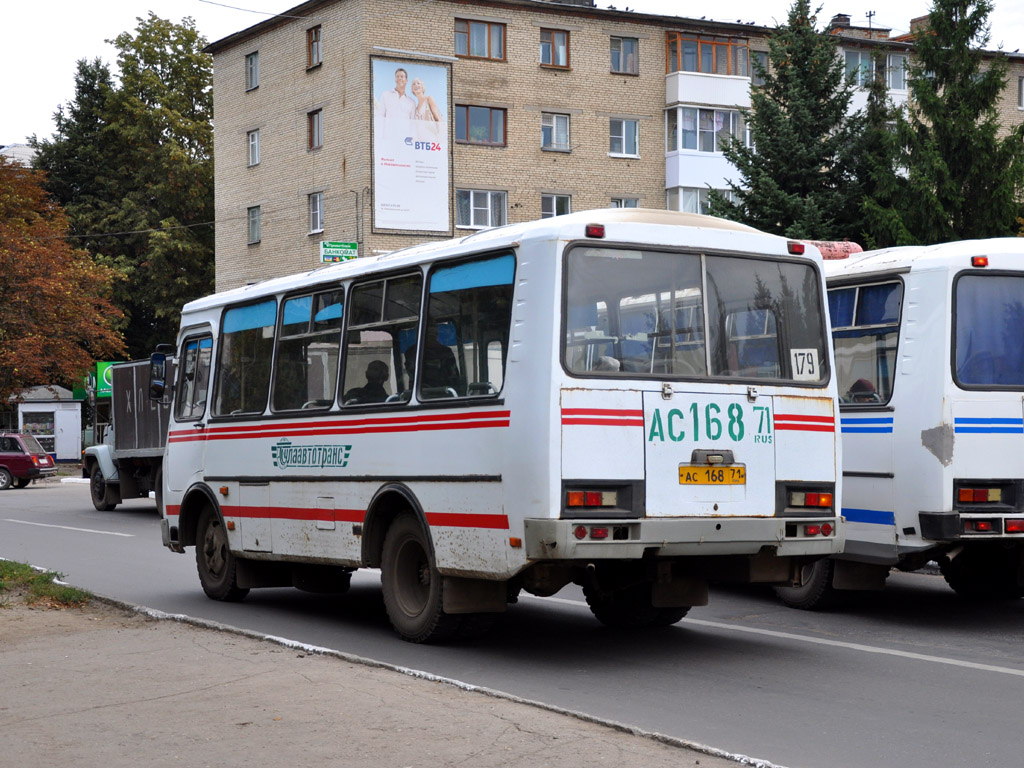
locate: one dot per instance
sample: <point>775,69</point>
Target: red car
<point>22,459</point>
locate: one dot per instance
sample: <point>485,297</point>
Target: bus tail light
<point>1015,525</point>
<point>795,248</point>
<point>591,498</point>
<point>979,495</point>
<point>595,230</point>
<point>979,261</point>
<point>980,526</point>
<point>818,529</point>
<point>810,499</point>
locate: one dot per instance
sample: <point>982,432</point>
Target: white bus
<point>930,362</point>
<point>634,401</point>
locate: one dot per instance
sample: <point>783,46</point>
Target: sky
<point>38,69</point>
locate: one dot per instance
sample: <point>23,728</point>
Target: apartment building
<point>364,126</point>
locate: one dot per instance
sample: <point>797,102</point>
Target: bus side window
<point>306,364</point>
<point>865,330</point>
<point>469,312</point>
<point>383,323</point>
<point>243,360</point>
<point>194,380</point>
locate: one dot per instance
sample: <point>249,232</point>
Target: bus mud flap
<point>474,595</point>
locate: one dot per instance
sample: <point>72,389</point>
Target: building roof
<point>46,394</point>
<point>21,154</point>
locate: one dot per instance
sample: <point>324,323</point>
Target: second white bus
<point>930,363</point>
<point>634,401</point>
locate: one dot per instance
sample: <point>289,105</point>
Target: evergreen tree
<point>796,181</point>
<point>962,180</point>
<point>133,162</point>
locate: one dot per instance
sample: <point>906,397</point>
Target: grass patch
<point>23,583</point>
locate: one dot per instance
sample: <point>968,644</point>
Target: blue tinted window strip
<point>260,315</point>
<point>873,516</point>
<point>297,310</point>
<point>476,274</point>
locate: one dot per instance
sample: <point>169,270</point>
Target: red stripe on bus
<point>805,427</point>
<point>295,513</point>
<point>338,429</point>
<point>367,422</point>
<point>457,520</point>
<point>802,417</point>
<point>601,412</point>
<point>601,423</point>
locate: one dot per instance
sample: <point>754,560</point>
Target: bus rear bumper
<point>675,537</point>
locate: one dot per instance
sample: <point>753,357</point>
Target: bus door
<point>187,429</point>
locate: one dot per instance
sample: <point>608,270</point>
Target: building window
<point>252,71</point>
<point>479,209</point>
<point>316,212</point>
<point>479,40</point>
<point>316,128</point>
<point>254,147</point>
<point>704,130</point>
<point>859,68</point>
<point>554,48</point>
<point>622,137</point>
<point>762,58</point>
<point>695,199</point>
<point>624,55</point>
<point>254,224</point>
<point>896,72</point>
<point>480,125</point>
<point>313,51</point>
<point>554,132</point>
<point>625,202</point>
<point>1020,92</point>
<point>709,55</point>
<point>554,205</point>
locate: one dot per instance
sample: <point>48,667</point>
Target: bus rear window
<point>683,315</point>
<point>988,317</point>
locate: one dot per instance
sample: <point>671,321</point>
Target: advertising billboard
<point>411,148</point>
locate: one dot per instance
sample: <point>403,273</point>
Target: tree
<point>796,182</point>
<point>961,180</point>
<point>56,316</point>
<point>133,162</point>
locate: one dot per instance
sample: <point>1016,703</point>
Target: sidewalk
<point>105,686</point>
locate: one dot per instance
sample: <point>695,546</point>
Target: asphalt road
<point>913,676</point>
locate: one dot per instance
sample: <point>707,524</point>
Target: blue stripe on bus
<point>989,426</point>
<point>873,516</point>
<point>860,426</point>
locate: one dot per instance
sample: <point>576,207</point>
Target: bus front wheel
<point>215,562</point>
<point>413,589</point>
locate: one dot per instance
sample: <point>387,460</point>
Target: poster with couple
<point>410,145</point>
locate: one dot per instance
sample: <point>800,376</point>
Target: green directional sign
<point>332,251</point>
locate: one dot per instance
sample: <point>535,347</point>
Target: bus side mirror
<point>157,375</point>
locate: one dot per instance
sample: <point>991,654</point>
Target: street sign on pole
<point>333,251</point>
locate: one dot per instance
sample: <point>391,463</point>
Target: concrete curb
<point>419,674</point>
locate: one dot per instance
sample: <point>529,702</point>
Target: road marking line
<point>69,528</point>
<point>833,643</point>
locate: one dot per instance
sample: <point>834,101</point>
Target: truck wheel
<point>413,589</point>
<point>816,593</point>
<point>98,491</point>
<point>215,562</point>
<point>5,479</point>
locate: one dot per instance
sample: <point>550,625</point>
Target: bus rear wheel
<point>215,562</point>
<point>815,593</point>
<point>984,573</point>
<point>413,589</point>
<point>630,607</point>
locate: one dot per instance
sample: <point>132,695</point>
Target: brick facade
<point>353,31</point>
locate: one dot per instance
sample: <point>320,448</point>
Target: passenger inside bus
<point>862,391</point>
<point>373,391</point>
<point>440,370</point>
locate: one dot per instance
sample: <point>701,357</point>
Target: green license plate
<point>735,474</point>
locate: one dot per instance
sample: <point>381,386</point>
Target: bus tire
<point>413,589</point>
<point>158,491</point>
<point>983,574</point>
<point>217,565</point>
<point>816,593</point>
<point>627,608</point>
<point>101,498</point>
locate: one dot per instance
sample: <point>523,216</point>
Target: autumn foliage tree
<point>56,316</point>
